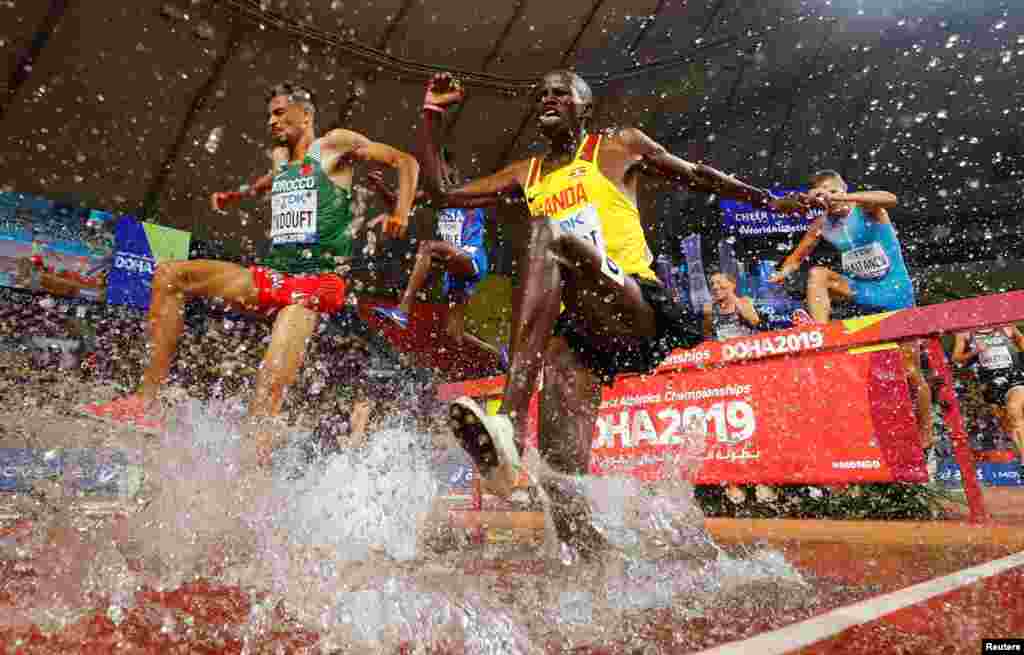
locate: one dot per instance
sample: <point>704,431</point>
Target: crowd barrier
<point>815,404</point>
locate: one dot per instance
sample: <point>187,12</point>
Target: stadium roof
<point>113,103</point>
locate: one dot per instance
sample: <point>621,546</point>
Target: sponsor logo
<point>301,184</point>
<point>865,464</point>
<point>578,172</point>
<point>135,263</point>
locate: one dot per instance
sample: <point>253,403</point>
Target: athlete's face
<point>830,186</point>
<point>559,106</point>
<point>722,288</point>
<point>287,121</point>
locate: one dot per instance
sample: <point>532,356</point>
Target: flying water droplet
<point>213,141</point>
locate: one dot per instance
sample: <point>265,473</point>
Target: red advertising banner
<point>823,418</point>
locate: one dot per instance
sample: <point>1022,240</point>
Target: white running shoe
<point>490,443</point>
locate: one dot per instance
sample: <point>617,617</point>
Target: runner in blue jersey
<point>874,278</point>
<point>458,245</point>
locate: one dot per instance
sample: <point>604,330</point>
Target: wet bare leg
<point>923,393</point>
<point>568,410</point>
<point>539,302</point>
<point>610,308</point>
<point>822,286</point>
<point>172,284</point>
<point>568,413</point>
<point>292,329</point>
<point>1015,418</point>
<point>457,262</point>
<point>456,328</point>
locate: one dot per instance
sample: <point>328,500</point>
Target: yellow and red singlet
<point>580,200</point>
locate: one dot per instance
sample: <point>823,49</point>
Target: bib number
<point>449,226</point>
<point>584,224</point>
<point>995,357</point>
<point>294,217</point>
<point>868,262</point>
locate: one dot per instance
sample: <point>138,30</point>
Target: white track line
<point>805,633</point>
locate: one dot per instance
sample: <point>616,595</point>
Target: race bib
<point>293,217</point>
<point>731,331</point>
<point>995,357</point>
<point>449,226</point>
<point>584,224</point>
<point>868,262</point>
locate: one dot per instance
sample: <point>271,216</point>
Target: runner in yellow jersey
<point>587,254</point>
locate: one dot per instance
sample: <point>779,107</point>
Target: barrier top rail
<point>956,316</point>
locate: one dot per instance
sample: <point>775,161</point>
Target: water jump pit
<point>200,559</point>
<point>113,542</point>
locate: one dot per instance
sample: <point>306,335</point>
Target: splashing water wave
<point>356,547</point>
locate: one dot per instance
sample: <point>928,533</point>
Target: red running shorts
<point>324,292</point>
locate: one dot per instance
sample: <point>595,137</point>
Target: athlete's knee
<point>572,250</point>
<point>169,276</point>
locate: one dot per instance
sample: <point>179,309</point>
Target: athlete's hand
<point>394,225</point>
<point>780,276</point>
<point>376,180</point>
<point>221,199</point>
<point>375,223</point>
<point>443,91</point>
<point>820,198</point>
<point>789,204</point>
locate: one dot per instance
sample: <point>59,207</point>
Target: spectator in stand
<point>728,315</point>
<point>1000,369</point>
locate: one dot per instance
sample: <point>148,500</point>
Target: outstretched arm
<point>254,189</point>
<point>442,92</point>
<point>698,177</point>
<point>351,146</point>
<point>872,200</point>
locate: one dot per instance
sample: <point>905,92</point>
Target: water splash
<point>346,547</point>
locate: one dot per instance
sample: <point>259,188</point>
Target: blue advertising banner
<point>139,247</point>
<point>742,219</point>
<point>994,474</point>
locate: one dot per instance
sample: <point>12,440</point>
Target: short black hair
<point>294,92</point>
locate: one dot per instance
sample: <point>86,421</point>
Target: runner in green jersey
<point>311,193</point>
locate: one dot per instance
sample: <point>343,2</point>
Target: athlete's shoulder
<point>631,141</point>
<point>342,139</point>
